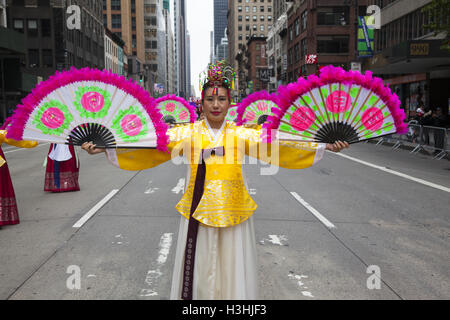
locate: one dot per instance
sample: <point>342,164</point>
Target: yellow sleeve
<point>15,143</point>
<point>285,154</point>
<point>141,159</point>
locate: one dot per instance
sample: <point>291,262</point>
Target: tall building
<point>54,39</point>
<point>125,18</point>
<point>188,66</point>
<point>222,50</point>
<point>155,42</point>
<point>170,47</point>
<point>13,82</point>
<point>114,57</point>
<point>323,28</point>
<point>409,56</point>
<point>211,41</point>
<point>277,45</point>
<point>220,22</point>
<point>180,46</point>
<point>246,19</point>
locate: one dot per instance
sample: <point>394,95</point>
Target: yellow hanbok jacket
<point>19,144</point>
<point>225,201</point>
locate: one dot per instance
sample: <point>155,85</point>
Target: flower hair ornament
<point>216,76</point>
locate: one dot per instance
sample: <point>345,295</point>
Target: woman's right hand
<point>90,148</point>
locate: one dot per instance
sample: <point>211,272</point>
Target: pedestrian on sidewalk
<point>439,120</point>
<point>216,251</point>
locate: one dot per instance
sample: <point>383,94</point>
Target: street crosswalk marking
<point>316,213</point>
<point>421,181</point>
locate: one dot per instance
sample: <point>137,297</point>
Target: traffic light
<point>141,78</point>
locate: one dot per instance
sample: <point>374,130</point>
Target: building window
<point>333,16</point>
<point>304,47</point>
<point>18,25</point>
<point>332,44</point>
<point>304,20</point>
<point>46,28</point>
<point>32,28</point>
<point>115,4</point>
<point>47,58</point>
<point>33,58</point>
<point>116,21</point>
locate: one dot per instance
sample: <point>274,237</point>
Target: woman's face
<point>215,107</point>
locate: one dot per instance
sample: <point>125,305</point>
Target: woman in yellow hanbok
<point>216,249</point>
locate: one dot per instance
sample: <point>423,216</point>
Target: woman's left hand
<point>337,146</point>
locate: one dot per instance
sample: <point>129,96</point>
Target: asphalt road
<point>321,232</point>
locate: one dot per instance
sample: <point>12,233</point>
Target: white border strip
<point>424,182</point>
<point>316,213</point>
<point>97,207</point>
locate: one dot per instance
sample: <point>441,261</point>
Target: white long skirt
<point>225,263</point>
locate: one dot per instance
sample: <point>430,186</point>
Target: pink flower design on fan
<point>338,101</point>
<point>250,116</point>
<point>183,115</point>
<point>170,107</point>
<point>232,113</point>
<point>92,101</point>
<point>372,119</point>
<point>302,119</point>
<point>131,125</point>
<point>53,118</point>
<point>262,106</point>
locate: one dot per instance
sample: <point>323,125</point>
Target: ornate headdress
<point>217,75</point>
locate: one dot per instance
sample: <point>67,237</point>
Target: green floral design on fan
<point>92,102</point>
<point>130,125</point>
<point>172,108</point>
<point>53,118</point>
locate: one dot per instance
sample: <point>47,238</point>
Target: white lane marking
<point>97,207</point>
<point>150,189</point>
<point>424,182</point>
<point>316,213</point>
<point>179,187</point>
<point>252,191</point>
<point>152,275</point>
<point>21,149</point>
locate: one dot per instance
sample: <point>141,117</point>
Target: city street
<point>320,232</point>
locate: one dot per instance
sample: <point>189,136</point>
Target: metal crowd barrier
<point>427,138</point>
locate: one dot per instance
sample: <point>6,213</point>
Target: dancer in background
<point>62,169</point>
<point>9,214</point>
